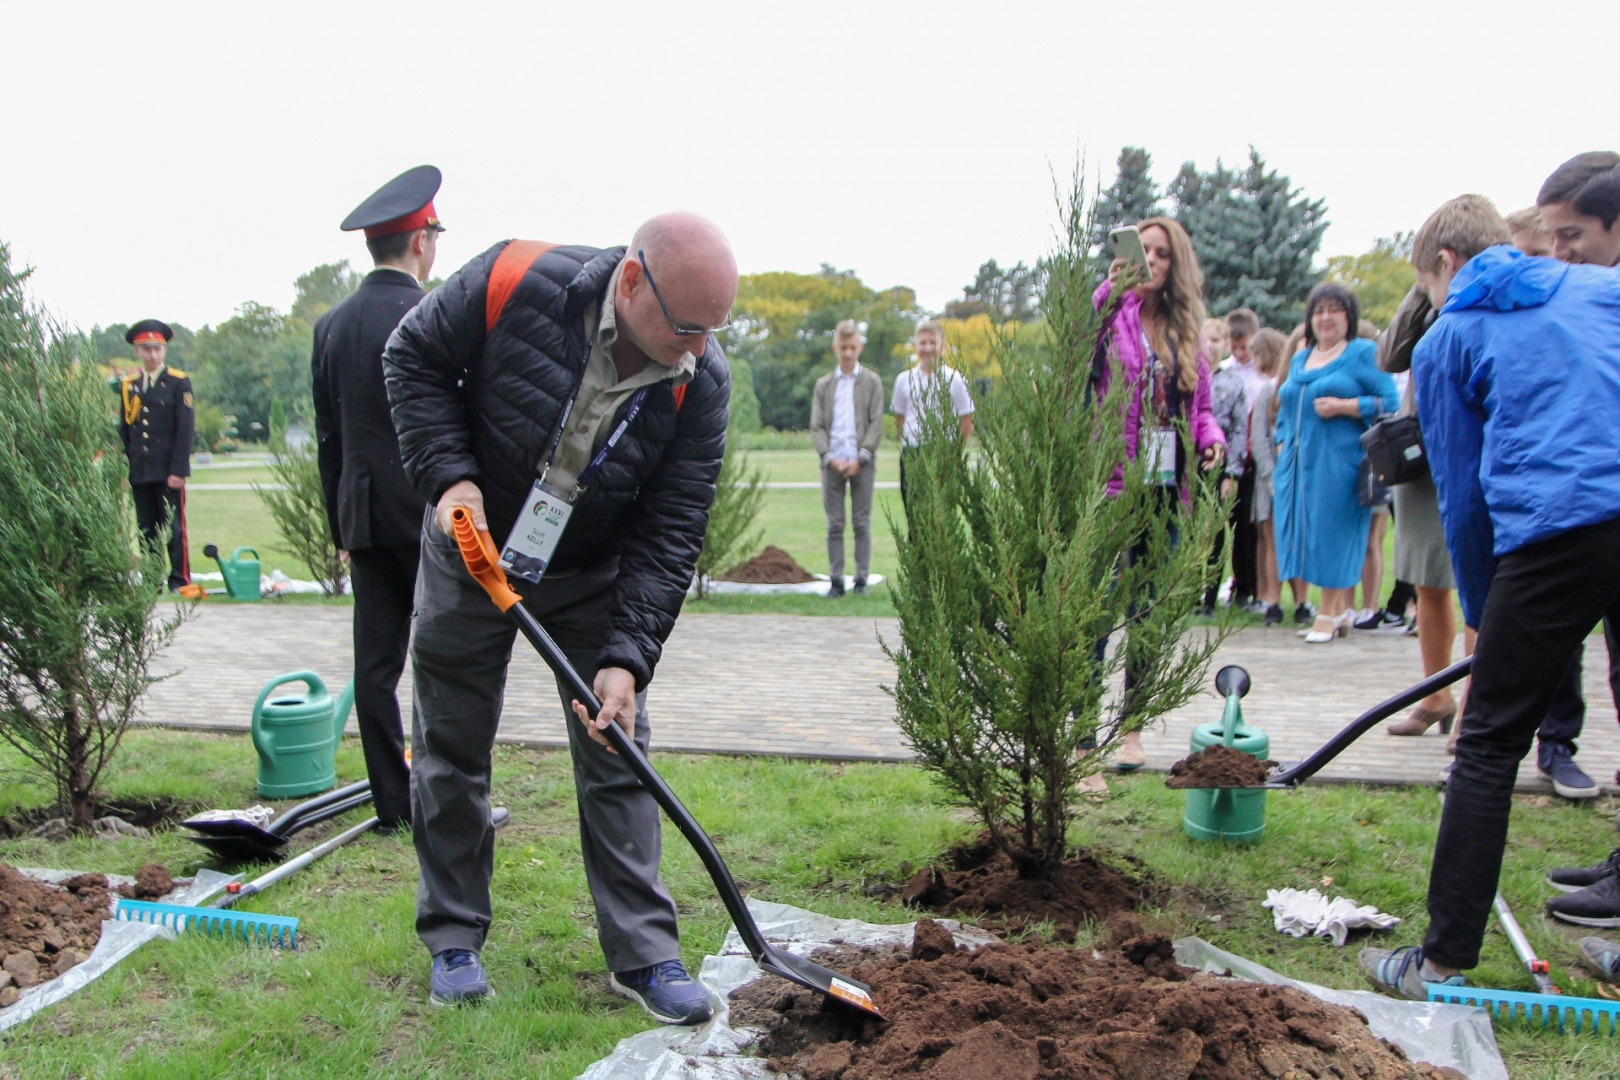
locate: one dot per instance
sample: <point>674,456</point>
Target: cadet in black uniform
<point>157,422</point>
<point>375,514</point>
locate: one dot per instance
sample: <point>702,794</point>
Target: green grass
<point>351,1001</point>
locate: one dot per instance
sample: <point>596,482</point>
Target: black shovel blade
<point>240,848</point>
<point>238,829</point>
<point>812,976</point>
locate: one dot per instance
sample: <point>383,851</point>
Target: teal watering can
<point>297,735</point>
<point>1235,815</point>
<point>241,575</point>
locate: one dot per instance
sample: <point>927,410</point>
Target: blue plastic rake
<point>1535,1010</point>
<point>276,930</point>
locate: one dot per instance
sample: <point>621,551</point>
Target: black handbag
<point>1395,453</point>
<point>1370,491</point>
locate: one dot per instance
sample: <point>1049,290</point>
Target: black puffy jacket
<point>471,405</point>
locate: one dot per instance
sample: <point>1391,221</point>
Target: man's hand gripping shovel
<point>483,564</point>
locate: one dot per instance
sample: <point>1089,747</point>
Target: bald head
<point>689,260</point>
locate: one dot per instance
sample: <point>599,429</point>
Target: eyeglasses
<point>680,331</point>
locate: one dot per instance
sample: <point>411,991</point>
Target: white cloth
<point>913,390</point>
<point>1298,913</point>
<point>841,444</point>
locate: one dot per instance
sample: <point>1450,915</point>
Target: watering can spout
<point>340,714</point>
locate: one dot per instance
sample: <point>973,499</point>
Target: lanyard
<point>601,456</point>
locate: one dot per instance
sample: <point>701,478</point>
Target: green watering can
<point>1235,815</point>
<point>241,575</point>
<point>296,736</point>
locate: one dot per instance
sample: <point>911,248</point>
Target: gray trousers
<point>860,511</point>
<point>460,651</point>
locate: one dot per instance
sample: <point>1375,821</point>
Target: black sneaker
<point>1382,622</point>
<point>1596,905</point>
<point>1304,615</point>
<point>860,587</point>
<point>1576,878</point>
<point>1274,615</point>
<point>835,588</point>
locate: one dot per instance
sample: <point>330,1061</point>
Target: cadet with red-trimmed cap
<point>157,423</point>
<point>374,513</point>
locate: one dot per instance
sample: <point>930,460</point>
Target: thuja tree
<point>77,589</point>
<point>1015,562</point>
<point>298,507</point>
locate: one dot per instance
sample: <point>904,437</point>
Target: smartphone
<point>1128,246</point>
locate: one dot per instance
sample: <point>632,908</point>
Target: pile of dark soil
<point>1044,1012</point>
<point>1218,766</point>
<point>46,929</point>
<point>152,881</point>
<point>985,885</point>
<point>773,566</point>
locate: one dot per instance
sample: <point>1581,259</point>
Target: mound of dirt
<point>773,566</point>
<point>151,882</point>
<point>1043,1012</point>
<point>1218,766</point>
<point>986,885</point>
<point>46,929</point>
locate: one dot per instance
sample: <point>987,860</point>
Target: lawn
<point>351,1000</point>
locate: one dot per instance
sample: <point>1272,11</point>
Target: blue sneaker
<point>458,978</point>
<point>1603,956</point>
<point>666,991</point>
<point>1396,972</point>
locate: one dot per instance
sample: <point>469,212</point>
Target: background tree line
<point>1257,238</point>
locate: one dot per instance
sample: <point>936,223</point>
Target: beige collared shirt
<point>602,392</point>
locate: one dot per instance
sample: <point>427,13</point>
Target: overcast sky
<point>173,160</point>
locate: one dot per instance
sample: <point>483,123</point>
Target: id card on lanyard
<point>1156,444</point>
<point>544,518</point>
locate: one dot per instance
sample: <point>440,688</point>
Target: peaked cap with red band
<point>404,204</point>
<point>148,330</point>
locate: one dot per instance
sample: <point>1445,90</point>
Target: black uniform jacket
<point>369,502</point>
<point>157,425</point>
<point>481,403</point>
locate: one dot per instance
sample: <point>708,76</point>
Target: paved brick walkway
<point>809,687</point>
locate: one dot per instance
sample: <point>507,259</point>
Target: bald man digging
<point>542,374</point>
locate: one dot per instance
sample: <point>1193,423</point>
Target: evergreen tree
<point>298,507</point>
<point>1256,237</point>
<point>739,492</point>
<point>1010,572</point>
<point>1131,197</point>
<point>77,592</point>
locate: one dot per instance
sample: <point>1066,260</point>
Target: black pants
<point>1567,713</point>
<point>1245,540</point>
<point>1544,601</point>
<point>384,589</point>
<point>159,506</point>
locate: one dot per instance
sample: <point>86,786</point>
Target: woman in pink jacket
<point>1151,337</point>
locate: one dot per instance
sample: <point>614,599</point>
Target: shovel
<point>240,840</point>
<point>1294,775</point>
<point>482,563</point>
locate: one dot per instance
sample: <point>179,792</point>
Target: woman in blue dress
<point>1332,392</point>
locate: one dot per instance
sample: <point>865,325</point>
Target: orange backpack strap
<point>510,266</point>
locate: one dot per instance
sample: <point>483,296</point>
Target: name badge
<point>1160,467</point>
<point>534,538</point>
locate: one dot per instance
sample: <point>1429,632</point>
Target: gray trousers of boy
<point>460,649</point>
<point>860,486</point>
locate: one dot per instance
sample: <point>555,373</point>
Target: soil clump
<point>985,885</point>
<point>1218,767</point>
<point>773,566</point>
<point>1045,1012</point>
<point>46,929</point>
<point>152,882</point>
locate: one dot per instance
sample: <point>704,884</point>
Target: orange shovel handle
<point>483,563</point>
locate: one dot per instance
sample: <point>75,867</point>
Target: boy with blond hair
<point>1515,379</point>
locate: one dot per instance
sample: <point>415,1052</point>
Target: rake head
<point>1535,1010</point>
<point>277,930</point>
